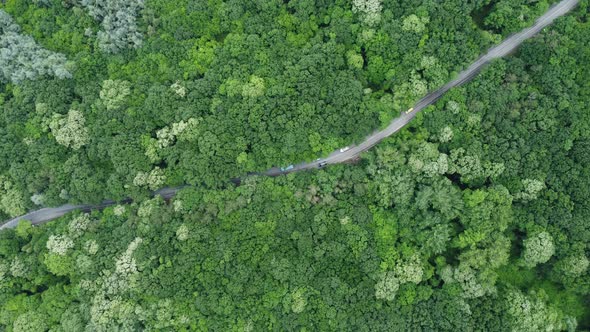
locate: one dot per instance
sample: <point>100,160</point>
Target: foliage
<point>259,85</point>
<point>538,249</point>
<point>70,131</point>
<point>118,20</point>
<point>369,9</point>
<point>472,218</point>
<point>21,58</point>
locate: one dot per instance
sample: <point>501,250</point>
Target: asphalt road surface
<point>501,50</point>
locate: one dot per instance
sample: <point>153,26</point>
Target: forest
<point>472,218</point>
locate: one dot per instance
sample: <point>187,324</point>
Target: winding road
<point>501,50</point>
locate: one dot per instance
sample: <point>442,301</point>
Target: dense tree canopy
<point>268,82</point>
<point>473,218</point>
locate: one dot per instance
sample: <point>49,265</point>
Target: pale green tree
<point>298,300</point>
<point>59,244</point>
<point>387,286</point>
<point>91,246</point>
<point>11,199</point>
<point>529,313</point>
<point>71,320</point>
<point>470,166</point>
<point>70,130</point>
<point>147,207</point>
<point>18,268</point>
<point>572,266</point>
<point>354,60</point>
<point>83,263</point>
<point>423,154</point>
<point>30,321</point>
<point>167,135</point>
<point>179,89</point>
<point>414,23</point>
<point>125,264</point>
<point>409,270</point>
<point>119,210</point>
<point>254,88</point>
<point>118,20</point>
<point>4,272</point>
<point>165,315</point>
<point>109,311</point>
<point>153,179</point>
<point>475,273</point>
<point>538,249</point>
<point>182,233</point>
<point>472,283</point>
<point>114,93</point>
<point>445,135</point>
<point>532,187</point>
<point>178,205</point>
<point>369,10</point>
<point>38,199</point>
<point>78,225</point>
<point>453,107</point>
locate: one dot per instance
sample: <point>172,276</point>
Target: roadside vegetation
<point>473,218</point>
<point>201,91</point>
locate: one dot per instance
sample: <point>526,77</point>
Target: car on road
<point>288,168</point>
<point>344,149</point>
<point>322,164</point>
<point>410,110</point>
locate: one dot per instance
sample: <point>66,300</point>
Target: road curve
<point>501,50</point>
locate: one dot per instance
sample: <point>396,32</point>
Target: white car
<point>344,149</point>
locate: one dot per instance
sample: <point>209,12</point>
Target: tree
<point>30,322</point>
<point>119,22</point>
<point>298,300</point>
<point>530,313</point>
<point>182,233</point>
<point>571,267</point>
<point>414,23</point>
<point>70,131</point>
<point>24,229</point>
<point>59,264</point>
<point>254,88</point>
<point>22,59</point>
<point>114,93</point>
<point>531,190</point>
<point>71,320</point>
<point>409,270</point>
<point>387,286</point>
<point>78,225</point>
<point>538,249</point>
<point>421,233</point>
<point>59,244</point>
<point>473,283</point>
<point>11,200</point>
<point>370,10</point>
<point>152,180</point>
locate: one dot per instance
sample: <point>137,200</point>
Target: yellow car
<point>410,110</point>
